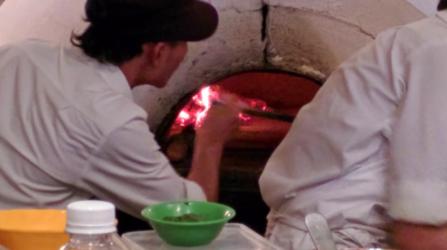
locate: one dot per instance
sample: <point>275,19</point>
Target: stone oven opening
<point>280,95</point>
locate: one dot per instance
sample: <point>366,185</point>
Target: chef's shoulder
<point>30,50</point>
<point>88,93</point>
<point>416,37</point>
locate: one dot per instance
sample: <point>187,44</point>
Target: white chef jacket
<point>69,130</point>
<point>376,130</point>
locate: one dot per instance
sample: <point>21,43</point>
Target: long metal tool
<point>269,115</point>
<point>319,232</point>
<point>264,114</point>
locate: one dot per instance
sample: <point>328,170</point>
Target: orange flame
<point>197,108</point>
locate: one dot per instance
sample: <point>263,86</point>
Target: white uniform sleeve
<point>419,142</point>
<point>130,171</point>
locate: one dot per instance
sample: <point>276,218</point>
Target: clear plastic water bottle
<point>91,225</point>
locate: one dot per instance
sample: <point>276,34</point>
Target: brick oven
<point>276,52</point>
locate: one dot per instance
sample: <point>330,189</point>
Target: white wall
<point>53,20</point>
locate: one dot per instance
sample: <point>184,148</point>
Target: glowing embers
<point>194,112</point>
<point>272,101</point>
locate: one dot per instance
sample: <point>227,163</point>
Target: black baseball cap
<point>154,20</point>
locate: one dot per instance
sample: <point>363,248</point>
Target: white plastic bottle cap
<point>90,217</point>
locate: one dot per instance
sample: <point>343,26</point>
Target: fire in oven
<point>272,100</point>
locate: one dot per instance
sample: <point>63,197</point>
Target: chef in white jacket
<point>369,149</point>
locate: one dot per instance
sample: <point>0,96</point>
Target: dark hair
<point>106,39</point>
<point>118,28</point>
<point>442,5</point>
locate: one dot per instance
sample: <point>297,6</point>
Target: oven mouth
<point>245,154</point>
<point>279,111</point>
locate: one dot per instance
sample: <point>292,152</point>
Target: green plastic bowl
<point>210,216</point>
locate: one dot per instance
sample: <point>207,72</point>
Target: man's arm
<point>209,143</point>
<point>129,170</point>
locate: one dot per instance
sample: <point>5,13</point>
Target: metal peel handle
<point>263,114</point>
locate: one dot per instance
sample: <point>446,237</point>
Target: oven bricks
<point>313,37</point>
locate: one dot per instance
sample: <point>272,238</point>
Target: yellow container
<point>32,229</point>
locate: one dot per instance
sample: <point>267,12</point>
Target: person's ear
<point>155,54</point>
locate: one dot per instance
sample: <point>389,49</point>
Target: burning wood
<point>179,144</point>
<point>195,111</point>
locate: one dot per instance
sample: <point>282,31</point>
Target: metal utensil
<point>319,232</point>
<point>269,115</point>
<point>273,115</point>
